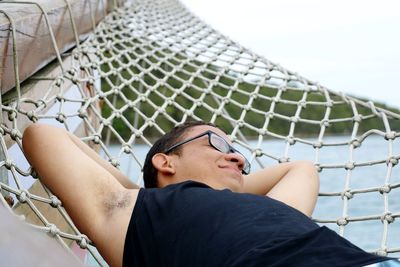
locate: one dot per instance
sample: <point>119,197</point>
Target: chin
<point>233,183</point>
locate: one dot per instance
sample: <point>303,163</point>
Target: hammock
<point>150,65</point>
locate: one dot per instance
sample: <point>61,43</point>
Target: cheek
<point>204,165</point>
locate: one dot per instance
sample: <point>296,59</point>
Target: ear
<point>163,163</point>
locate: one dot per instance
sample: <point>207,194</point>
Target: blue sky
<point>350,46</point>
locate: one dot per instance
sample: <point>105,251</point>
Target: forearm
<point>294,183</point>
<point>123,179</point>
<point>262,181</point>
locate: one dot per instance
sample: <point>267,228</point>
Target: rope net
<point>151,65</point>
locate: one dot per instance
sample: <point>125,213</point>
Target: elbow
<point>30,135</point>
<point>31,139</point>
<point>310,182</point>
<point>35,136</point>
<point>311,173</point>
<point>32,132</point>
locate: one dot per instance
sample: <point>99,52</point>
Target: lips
<point>233,169</point>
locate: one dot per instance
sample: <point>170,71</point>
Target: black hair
<point>161,145</point>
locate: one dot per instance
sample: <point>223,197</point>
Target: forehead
<point>196,130</point>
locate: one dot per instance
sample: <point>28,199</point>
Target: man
<point>204,211</point>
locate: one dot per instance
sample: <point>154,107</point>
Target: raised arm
<point>92,191</point>
<point>294,183</point>
<point>124,181</point>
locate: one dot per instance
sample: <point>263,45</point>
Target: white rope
<point>160,66</point>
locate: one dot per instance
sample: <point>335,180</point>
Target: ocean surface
<point>367,234</point>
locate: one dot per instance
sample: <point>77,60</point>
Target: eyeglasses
<point>218,143</point>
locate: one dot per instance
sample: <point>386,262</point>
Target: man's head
<point>194,151</point>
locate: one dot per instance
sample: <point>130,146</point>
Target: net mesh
<point>151,65</point>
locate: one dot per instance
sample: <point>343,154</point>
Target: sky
<point>349,46</point>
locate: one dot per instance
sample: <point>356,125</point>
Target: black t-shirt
<point>191,224</point>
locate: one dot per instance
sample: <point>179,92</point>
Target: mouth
<point>234,170</point>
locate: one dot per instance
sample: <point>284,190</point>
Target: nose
<point>236,158</point>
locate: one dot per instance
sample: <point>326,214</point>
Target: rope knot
<point>325,123</point>
<point>342,221</point>
<point>282,87</point>
<point>262,132</point>
<point>34,174</point>
<point>142,98</point>
<point>131,104</point>
<point>94,66</point>
<point>127,149</point>
<point>385,189</point>
<point>83,243</point>
<point>106,122</point>
<point>15,134</point>
<point>82,113</point>
<point>291,140</point>
<point>318,167</point>
<point>59,82</point>
<point>101,95</point>
<point>170,101</point>
<point>356,143</point>
<point>23,196</point>
<point>357,118</point>
<point>347,194</point>
<point>8,164</point>
<point>218,112</point>
<point>55,202</point>
<point>91,81</point>
<point>258,152</point>
<point>150,121</point>
<point>53,230</point>
<point>302,103</point>
<point>12,114</point>
<point>349,166</point>
<point>390,135</point>
<point>96,139</point>
<point>117,114</point>
<point>85,50</point>
<point>32,116</point>
<point>392,160</point>
<point>387,217</point>
<point>61,117</point>
<point>317,144</point>
<point>71,72</point>
<point>294,119</point>
<point>114,162</point>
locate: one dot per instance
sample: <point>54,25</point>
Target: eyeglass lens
<point>220,144</point>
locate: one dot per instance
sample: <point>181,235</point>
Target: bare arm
<point>106,165</point>
<point>97,202</point>
<point>294,183</point>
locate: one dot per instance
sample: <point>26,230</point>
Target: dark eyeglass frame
<point>226,149</point>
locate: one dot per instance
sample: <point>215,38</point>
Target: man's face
<point>199,161</point>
